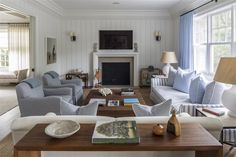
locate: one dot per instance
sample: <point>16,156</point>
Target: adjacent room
<point>117,78</point>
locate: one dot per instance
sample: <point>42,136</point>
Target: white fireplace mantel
<point>134,55</point>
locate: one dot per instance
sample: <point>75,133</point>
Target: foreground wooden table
<point>194,138</point>
<point>114,111</point>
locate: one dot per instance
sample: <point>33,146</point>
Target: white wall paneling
<point>79,54</point>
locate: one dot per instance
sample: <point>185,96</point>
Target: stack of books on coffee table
<point>128,102</point>
<point>127,91</point>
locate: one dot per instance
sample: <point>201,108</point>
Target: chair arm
<point>40,106</point>
<point>57,91</point>
<point>191,108</point>
<point>158,80</point>
<point>72,86</point>
<point>72,81</point>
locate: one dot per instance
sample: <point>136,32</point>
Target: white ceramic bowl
<point>62,129</point>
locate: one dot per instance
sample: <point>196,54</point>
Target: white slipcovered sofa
<point>22,125</point>
<point>13,77</point>
<point>180,101</point>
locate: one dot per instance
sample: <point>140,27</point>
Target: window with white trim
<point>213,36</point>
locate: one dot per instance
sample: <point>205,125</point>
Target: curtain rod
<point>14,23</point>
<point>199,7</point>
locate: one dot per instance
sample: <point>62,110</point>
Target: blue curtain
<point>186,41</point>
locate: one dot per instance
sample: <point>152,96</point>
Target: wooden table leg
<point>18,153</point>
<point>210,153</point>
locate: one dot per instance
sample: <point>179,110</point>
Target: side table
<point>146,75</point>
<point>82,76</point>
<point>229,123</point>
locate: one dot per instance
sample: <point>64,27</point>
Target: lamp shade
<point>226,70</point>
<point>169,57</point>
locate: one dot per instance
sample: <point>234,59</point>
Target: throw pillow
<point>162,109</point>
<point>213,93</point>
<point>197,89</point>
<point>89,109</point>
<point>182,80</point>
<point>70,109</point>
<point>171,77</point>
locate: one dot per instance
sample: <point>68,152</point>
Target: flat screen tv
<point>118,39</point>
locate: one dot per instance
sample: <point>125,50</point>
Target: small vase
<point>158,130</point>
<point>173,125</point>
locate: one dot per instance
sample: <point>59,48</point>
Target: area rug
<point>8,99</point>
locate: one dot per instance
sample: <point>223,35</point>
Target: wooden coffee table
<point>114,111</point>
<point>194,138</point>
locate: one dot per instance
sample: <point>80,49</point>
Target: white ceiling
<point>10,16</point>
<point>7,18</point>
<point>124,4</point>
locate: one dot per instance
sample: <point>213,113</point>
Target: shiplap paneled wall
<point>79,54</point>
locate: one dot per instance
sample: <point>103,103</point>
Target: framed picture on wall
<point>51,49</point>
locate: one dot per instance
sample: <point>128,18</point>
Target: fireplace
<point>117,57</point>
<point>114,73</point>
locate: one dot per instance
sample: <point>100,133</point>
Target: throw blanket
<point>53,74</point>
<point>32,82</point>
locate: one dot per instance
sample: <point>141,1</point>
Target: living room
<point>141,61</point>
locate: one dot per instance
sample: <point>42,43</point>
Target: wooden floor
<point>6,145</point>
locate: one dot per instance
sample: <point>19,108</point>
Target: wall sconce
<point>158,36</point>
<point>72,36</point>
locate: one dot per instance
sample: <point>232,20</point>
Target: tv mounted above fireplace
<point>115,39</point>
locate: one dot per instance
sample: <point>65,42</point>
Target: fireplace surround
<point>118,57</point>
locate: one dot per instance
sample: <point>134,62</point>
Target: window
<point>4,58</point>
<point>213,36</point>
<point>200,43</point>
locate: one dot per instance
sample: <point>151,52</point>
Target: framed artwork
<point>51,49</point>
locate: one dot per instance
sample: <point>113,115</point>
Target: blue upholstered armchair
<point>51,80</point>
<point>34,100</point>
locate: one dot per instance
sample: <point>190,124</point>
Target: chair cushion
<point>8,75</point>
<point>166,92</point>
<point>197,89</point>
<point>171,76</point>
<point>48,80</point>
<point>213,93</point>
<point>182,80</point>
<point>162,109</point>
<point>53,74</point>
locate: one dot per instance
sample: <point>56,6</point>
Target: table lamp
<point>226,73</point>
<point>168,58</point>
